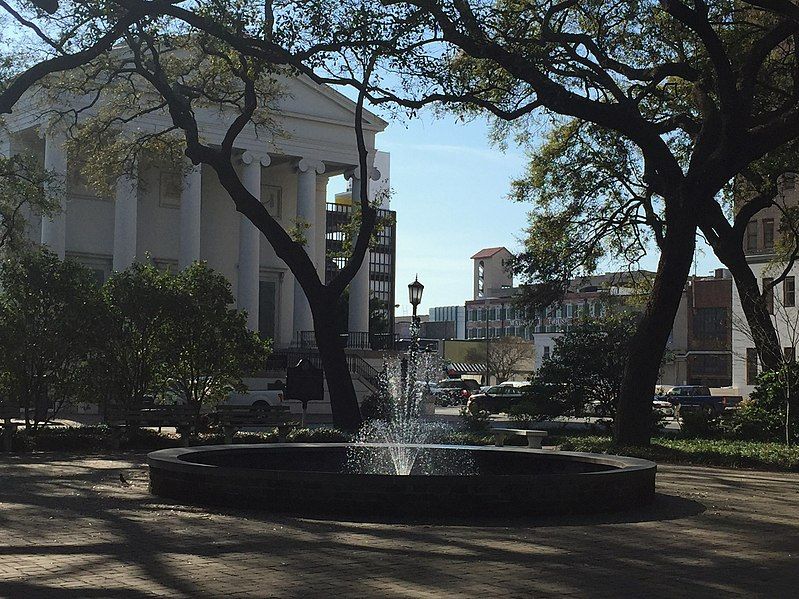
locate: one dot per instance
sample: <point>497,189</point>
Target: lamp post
<point>415,290</point>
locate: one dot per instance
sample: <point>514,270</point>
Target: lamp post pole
<point>415,290</point>
<point>488,348</point>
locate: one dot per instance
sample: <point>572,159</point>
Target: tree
<point>505,357</point>
<point>22,188</point>
<point>693,96</point>
<point>587,362</point>
<point>162,57</point>
<point>50,328</point>
<point>139,303</point>
<point>699,93</point>
<point>211,348</point>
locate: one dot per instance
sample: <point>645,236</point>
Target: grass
<point>701,452</point>
<point>697,452</point>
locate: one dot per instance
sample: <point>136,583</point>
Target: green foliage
<point>140,303</point>
<point>376,406</point>
<point>695,424</point>
<point>51,326</point>
<point>536,408</point>
<point>699,452</point>
<point>318,435</point>
<point>24,186</point>
<point>775,404</point>
<point>208,346</point>
<point>478,423</point>
<point>587,363</point>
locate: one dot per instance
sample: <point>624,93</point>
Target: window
<point>272,198</point>
<point>546,352</point>
<point>768,233</point>
<point>769,295</point>
<point>710,324</point>
<point>480,278</point>
<point>789,353</point>
<point>267,304</point>
<point>78,184</point>
<point>751,236</point>
<point>751,365</point>
<point>169,189</point>
<point>789,292</point>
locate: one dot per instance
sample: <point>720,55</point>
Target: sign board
<point>304,382</point>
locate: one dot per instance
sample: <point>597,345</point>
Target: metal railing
<point>351,340</point>
<point>281,359</point>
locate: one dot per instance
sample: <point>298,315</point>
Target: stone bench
<point>232,419</point>
<point>183,418</point>
<point>534,438</point>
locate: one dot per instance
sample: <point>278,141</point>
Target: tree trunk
<point>761,327</point>
<point>633,424</point>
<point>343,401</point>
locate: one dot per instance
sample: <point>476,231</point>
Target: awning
<point>465,368</point>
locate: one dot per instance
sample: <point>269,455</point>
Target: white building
<point>174,220</point>
<point>759,244</point>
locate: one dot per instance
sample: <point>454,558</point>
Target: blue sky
<point>450,193</point>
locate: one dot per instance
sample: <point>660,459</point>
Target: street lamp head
<point>415,290</point>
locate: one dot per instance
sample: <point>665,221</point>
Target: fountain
<point>395,445</point>
<point>396,468</point>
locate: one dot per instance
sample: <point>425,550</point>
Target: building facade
<point>173,217</point>
<point>699,349</point>
<point>761,243</point>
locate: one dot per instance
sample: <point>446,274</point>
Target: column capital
<point>305,164</point>
<point>355,173</point>
<point>249,158</point>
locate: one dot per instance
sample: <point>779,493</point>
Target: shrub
<point>317,435</point>
<point>754,421</point>
<point>777,392</point>
<point>376,406</point>
<point>696,423</point>
<point>475,423</point>
<point>535,409</point>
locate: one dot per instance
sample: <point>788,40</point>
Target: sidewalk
<point>69,527</point>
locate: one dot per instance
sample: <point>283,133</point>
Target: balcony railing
<point>351,340</point>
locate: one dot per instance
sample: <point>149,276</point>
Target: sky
<point>450,188</point>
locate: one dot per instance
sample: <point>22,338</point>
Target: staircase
<point>280,359</point>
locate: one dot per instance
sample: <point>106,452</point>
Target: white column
<point>54,230</point>
<point>250,242</point>
<point>126,215</point>
<point>190,210</point>
<point>307,170</point>
<point>359,286</point>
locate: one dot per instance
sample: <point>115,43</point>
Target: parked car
<point>454,391</point>
<point>496,399</point>
<point>259,399</point>
<point>600,409</point>
<point>662,406</point>
<point>698,397</point>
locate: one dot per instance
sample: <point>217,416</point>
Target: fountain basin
<point>311,480</point>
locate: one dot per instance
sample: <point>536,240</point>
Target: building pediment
<point>304,98</point>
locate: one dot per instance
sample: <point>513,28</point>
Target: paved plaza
<point>69,527</point>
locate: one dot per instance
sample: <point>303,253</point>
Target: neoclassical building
<point>174,218</point>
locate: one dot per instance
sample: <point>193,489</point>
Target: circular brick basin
<point>312,480</point>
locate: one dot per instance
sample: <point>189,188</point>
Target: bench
<point>7,414</point>
<point>232,419</point>
<point>534,438</point>
<point>182,417</point>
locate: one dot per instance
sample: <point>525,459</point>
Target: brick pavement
<point>70,528</point>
